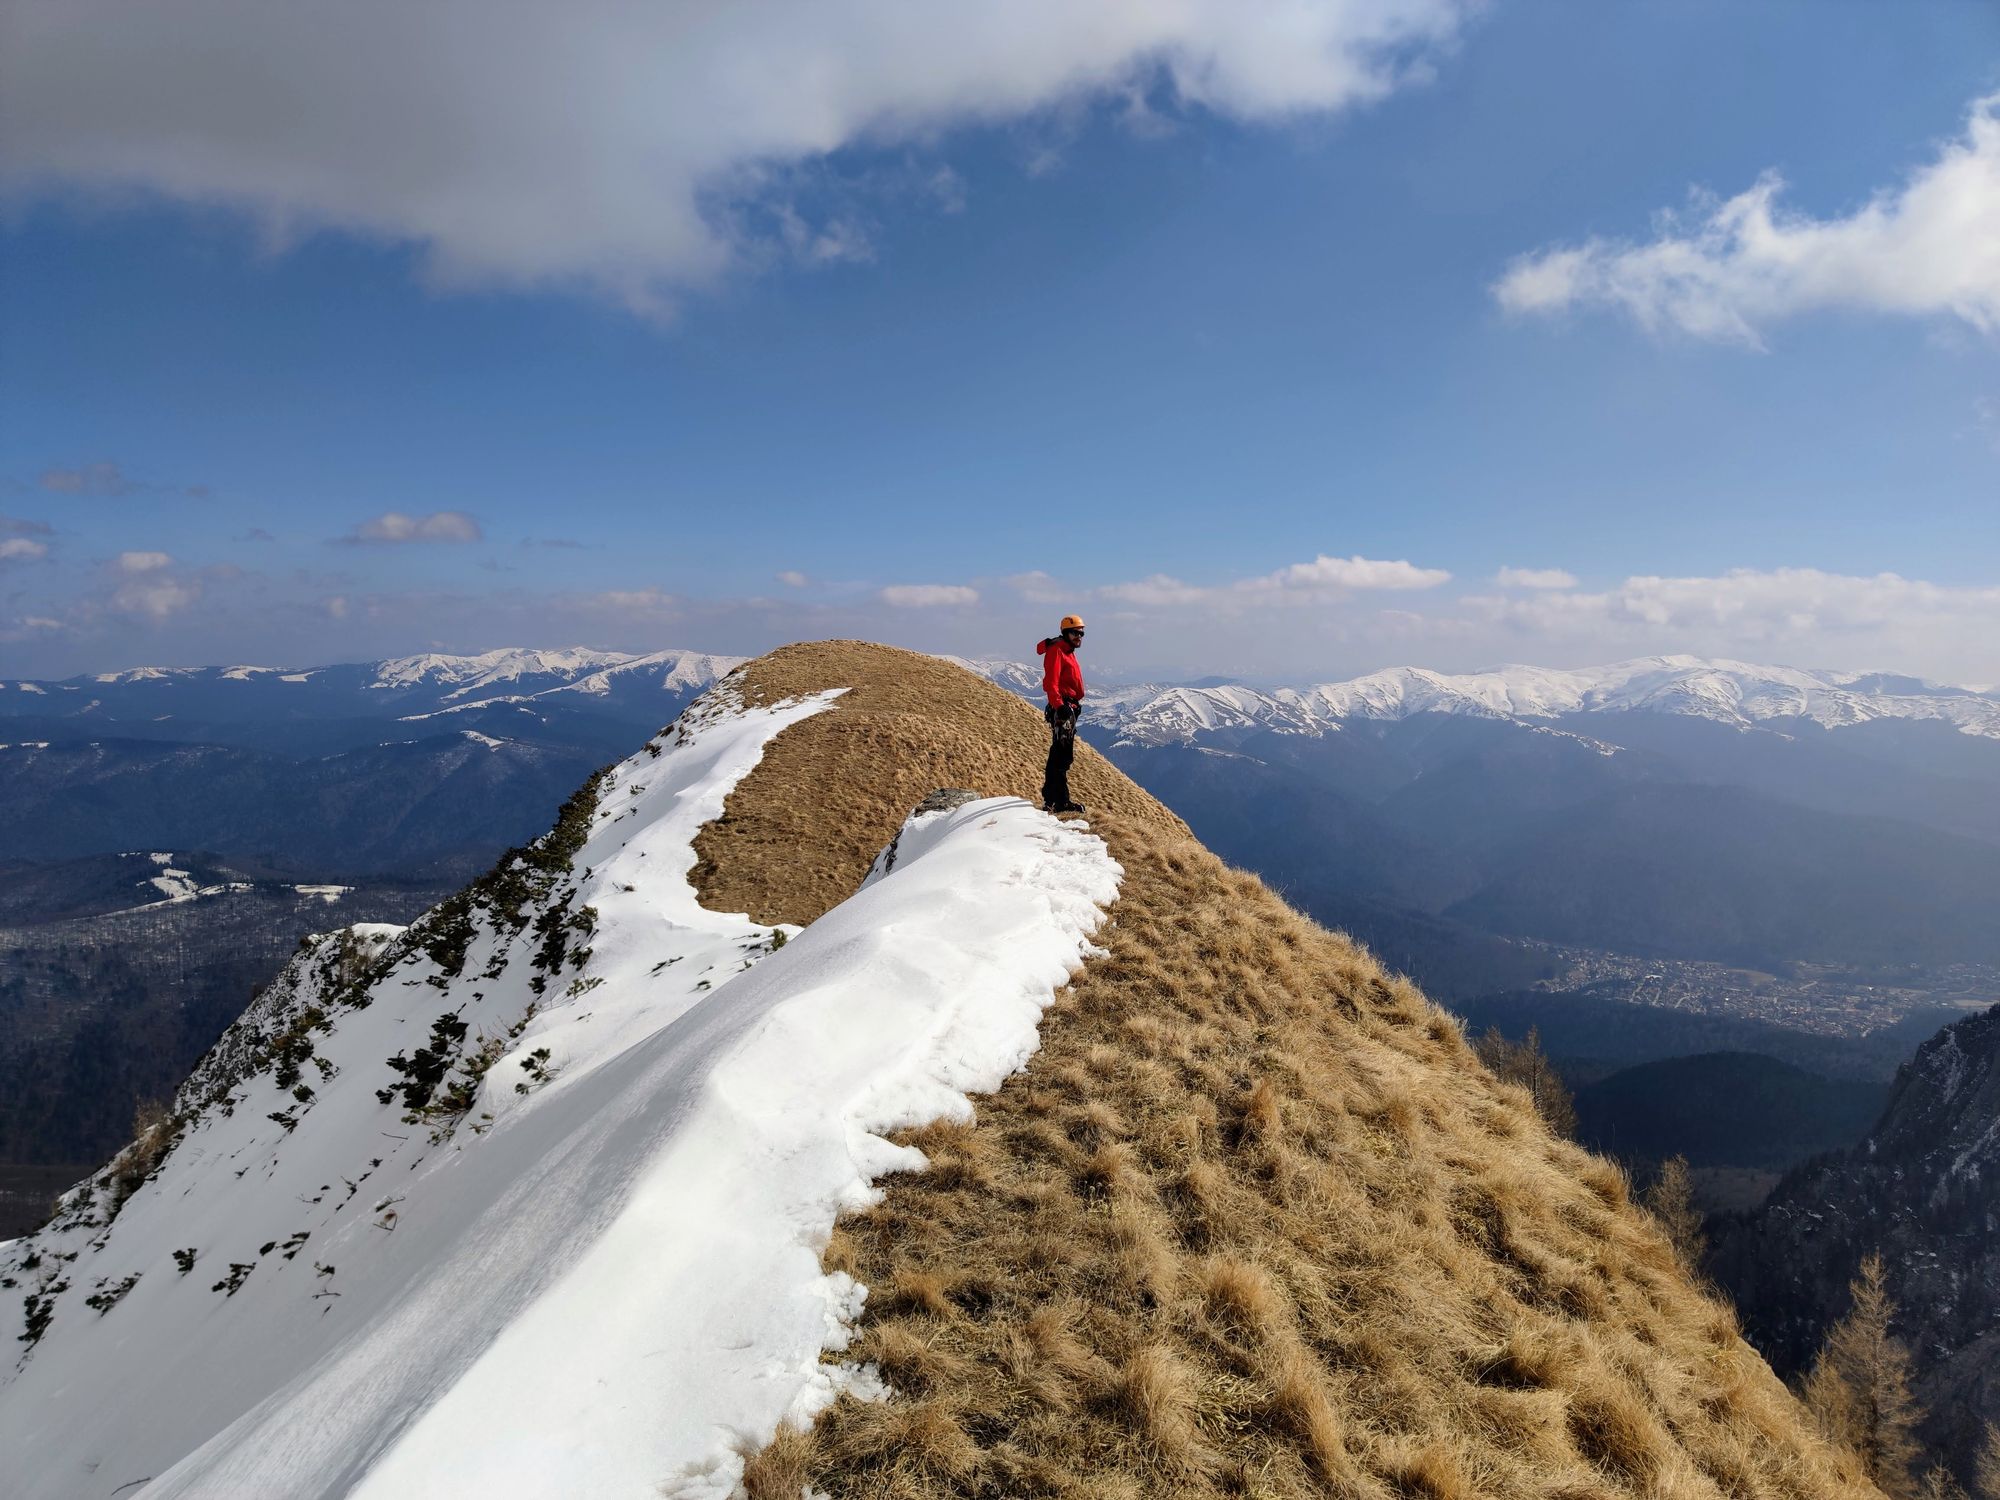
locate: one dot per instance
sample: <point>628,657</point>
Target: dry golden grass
<point>802,829</point>
<point>1254,1222</point>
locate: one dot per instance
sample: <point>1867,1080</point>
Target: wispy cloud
<point>1159,589</point>
<point>1321,579</point>
<point>1037,587</point>
<point>1535,578</point>
<point>1727,269</point>
<point>928,595</point>
<point>109,481</point>
<point>1752,608</point>
<point>645,193</point>
<point>633,601</point>
<point>149,585</point>
<point>792,578</point>
<point>1346,573</point>
<point>18,549</point>
<point>393,527</point>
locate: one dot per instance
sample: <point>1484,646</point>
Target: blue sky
<point>1268,368</point>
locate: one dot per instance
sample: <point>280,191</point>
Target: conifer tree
<point>1525,1063</point>
<point>1859,1386</point>
<point>1987,1476</point>
<point>1671,1200</point>
<point>1939,1483</point>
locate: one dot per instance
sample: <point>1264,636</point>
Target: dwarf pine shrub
<point>109,1293</point>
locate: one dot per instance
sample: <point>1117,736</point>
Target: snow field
<point>605,1282</point>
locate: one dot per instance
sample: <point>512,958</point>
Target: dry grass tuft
<point>1253,1222</point>
<point>1154,1395</point>
<point>1240,1298</point>
<point>778,1471</point>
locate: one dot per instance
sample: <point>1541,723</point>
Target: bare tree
<point>1525,1063</point>
<point>1671,1200</point>
<point>1939,1483</point>
<point>1859,1387</point>
<point>1987,1475</point>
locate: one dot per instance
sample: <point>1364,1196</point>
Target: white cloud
<point>16,629</point>
<point>1323,580</point>
<point>632,148</point>
<point>1157,590</point>
<point>928,595</point>
<point>632,601</point>
<point>1930,246</point>
<point>1324,573</point>
<point>792,578</point>
<point>22,549</point>
<point>1037,587</point>
<point>439,526</point>
<point>1747,609</point>
<point>156,599</point>
<point>1535,578</point>
<point>142,562</point>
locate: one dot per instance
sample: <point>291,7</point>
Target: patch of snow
<point>148,674</point>
<point>245,674</point>
<point>33,687</point>
<point>175,885</point>
<point>606,1279</point>
<point>327,893</point>
<point>296,677</point>
<point>1020,677</point>
<point>178,886</point>
<point>482,739</point>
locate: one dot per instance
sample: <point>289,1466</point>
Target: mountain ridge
<point>1241,1212</point>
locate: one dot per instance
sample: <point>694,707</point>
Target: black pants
<point>1062,750</point>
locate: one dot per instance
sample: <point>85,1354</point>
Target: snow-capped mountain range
<point>1741,694</point>
<point>403,687</point>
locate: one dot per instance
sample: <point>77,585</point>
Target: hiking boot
<point>1069,807</point>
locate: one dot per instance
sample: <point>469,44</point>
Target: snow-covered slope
<point>528,1198</point>
<point>1015,676</point>
<point>1737,693</point>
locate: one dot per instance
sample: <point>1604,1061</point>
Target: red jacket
<point>1062,678</point>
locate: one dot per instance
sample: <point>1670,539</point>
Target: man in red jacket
<point>1062,684</point>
